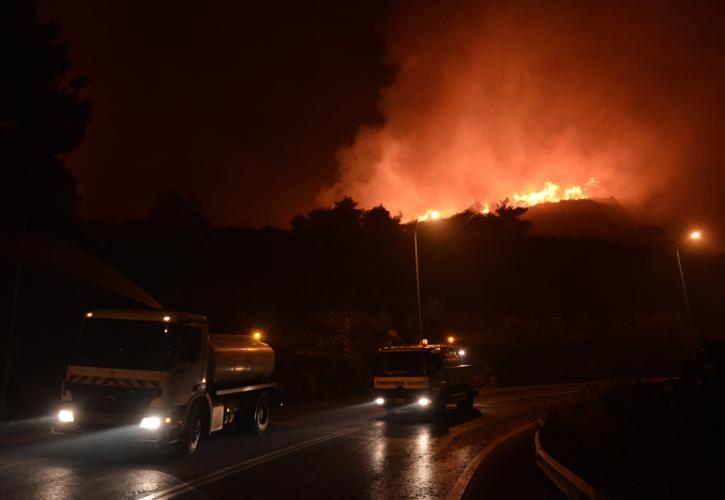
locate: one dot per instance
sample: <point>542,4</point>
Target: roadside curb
<point>569,483</point>
<point>459,488</point>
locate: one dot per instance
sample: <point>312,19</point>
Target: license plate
<point>399,401</point>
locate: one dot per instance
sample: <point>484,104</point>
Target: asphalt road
<point>342,450</point>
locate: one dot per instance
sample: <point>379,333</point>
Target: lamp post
<point>695,235</point>
<point>431,215</point>
<point>417,281</point>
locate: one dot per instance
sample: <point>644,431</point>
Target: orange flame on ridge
<point>550,194</point>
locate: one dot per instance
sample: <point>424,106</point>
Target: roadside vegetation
<point>644,440</point>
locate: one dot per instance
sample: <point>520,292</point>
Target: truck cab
<point>160,376</point>
<point>423,376</point>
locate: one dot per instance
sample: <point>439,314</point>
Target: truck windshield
<point>411,363</point>
<point>125,344</point>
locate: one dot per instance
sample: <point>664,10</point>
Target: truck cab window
<point>189,344</point>
<point>437,361</point>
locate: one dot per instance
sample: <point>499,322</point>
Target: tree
<point>344,219</point>
<point>377,220</point>
<point>175,213</point>
<point>510,218</point>
<point>42,117</point>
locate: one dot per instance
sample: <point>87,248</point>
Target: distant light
<point>89,315</point>
<point>380,401</point>
<point>167,420</point>
<point>257,335</point>
<point>150,423</point>
<point>430,215</point>
<point>451,339</point>
<point>695,235</point>
<point>167,318</point>
<point>66,416</point>
<point>424,401</point>
<point>462,353</point>
<point>423,341</point>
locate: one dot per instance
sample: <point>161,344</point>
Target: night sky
<point>242,105</point>
<point>264,110</point>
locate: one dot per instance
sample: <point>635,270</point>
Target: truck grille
<point>123,382</point>
<point>111,398</point>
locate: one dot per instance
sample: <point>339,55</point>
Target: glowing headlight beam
<point>380,401</point>
<point>66,416</point>
<point>150,423</point>
<point>423,401</point>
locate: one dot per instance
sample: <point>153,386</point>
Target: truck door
<point>188,374</point>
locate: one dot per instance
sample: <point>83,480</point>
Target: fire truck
<point>424,376</point>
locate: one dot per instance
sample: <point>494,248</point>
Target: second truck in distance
<point>427,376</point>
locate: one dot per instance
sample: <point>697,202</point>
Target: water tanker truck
<point>424,376</point>
<point>160,376</point>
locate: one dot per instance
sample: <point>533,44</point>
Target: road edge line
<point>461,484</point>
<point>224,472</point>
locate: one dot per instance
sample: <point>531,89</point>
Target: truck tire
<point>260,414</point>
<point>191,434</point>
<point>440,405</point>
<point>465,404</point>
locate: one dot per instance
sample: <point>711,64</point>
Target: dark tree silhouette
<point>42,117</point>
<point>343,219</point>
<point>379,221</point>
<point>510,218</point>
<point>176,213</point>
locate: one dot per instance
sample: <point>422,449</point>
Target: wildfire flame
<point>550,194</point>
<point>430,214</point>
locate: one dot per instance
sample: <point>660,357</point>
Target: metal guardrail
<point>572,485</point>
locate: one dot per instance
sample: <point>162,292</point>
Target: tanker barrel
<point>236,360</point>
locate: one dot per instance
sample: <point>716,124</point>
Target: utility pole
<point>684,287</point>
<point>417,280</point>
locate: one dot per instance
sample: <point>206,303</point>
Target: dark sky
<point>264,110</point>
<point>241,104</point>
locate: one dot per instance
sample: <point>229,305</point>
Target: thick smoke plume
<point>495,98</point>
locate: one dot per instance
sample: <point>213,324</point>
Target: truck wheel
<point>260,415</point>
<point>191,434</point>
<point>465,404</point>
<point>440,405</point>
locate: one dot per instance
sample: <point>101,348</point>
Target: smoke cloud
<point>495,98</point>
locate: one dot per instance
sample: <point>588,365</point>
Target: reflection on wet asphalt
<point>344,451</point>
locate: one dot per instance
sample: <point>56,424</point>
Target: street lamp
<point>695,235</point>
<point>432,215</point>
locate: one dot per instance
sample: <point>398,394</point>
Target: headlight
<point>150,423</point>
<point>424,401</point>
<point>380,401</point>
<point>65,416</point>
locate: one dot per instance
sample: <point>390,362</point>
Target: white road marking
<point>24,462</point>
<point>247,464</point>
<point>459,488</point>
<point>460,429</point>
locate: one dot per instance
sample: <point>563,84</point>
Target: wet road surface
<point>319,451</point>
